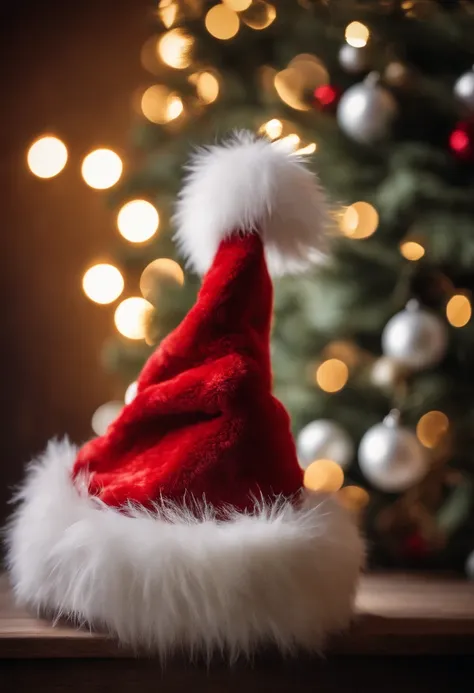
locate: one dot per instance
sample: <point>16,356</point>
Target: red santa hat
<point>186,525</point>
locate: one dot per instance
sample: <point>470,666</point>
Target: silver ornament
<point>324,439</point>
<point>386,373</point>
<point>464,90</point>
<point>469,567</point>
<point>354,60</point>
<point>366,111</point>
<point>391,457</point>
<point>416,338</point>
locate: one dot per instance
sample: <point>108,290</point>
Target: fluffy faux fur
<point>166,580</point>
<point>246,185</point>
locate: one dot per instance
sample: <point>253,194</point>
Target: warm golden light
<point>309,149</point>
<point>238,5</point>
<point>207,87</point>
<point>168,11</point>
<point>222,22</point>
<point>458,310</point>
<point>332,375</point>
<point>160,271</point>
<point>272,129</point>
<point>138,221</point>
<point>159,105</point>
<point>412,251</point>
<point>289,85</point>
<point>174,48</point>
<point>130,392</point>
<point>310,70</point>
<point>102,168</point>
<point>104,416</point>
<point>357,34</point>
<point>353,498</point>
<point>324,476</point>
<point>103,283</point>
<point>292,140</point>
<point>130,317</point>
<point>260,15</point>
<point>360,220</point>
<point>431,428</point>
<point>47,157</point>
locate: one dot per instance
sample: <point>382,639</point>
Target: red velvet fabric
<point>204,423</point>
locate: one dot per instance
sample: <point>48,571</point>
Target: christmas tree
<point>372,351</point>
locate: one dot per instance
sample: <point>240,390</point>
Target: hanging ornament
<point>366,111</point>
<point>469,567</point>
<point>387,373</point>
<point>416,338</point>
<point>324,440</point>
<point>354,60</point>
<point>464,90</point>
<point>326,97</point>
<point>397,74</point>
<point>461,140</point>
<point>391,457</point>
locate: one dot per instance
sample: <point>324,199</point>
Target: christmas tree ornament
<point>195,489</point>
<point>386,373</point>
<point>469,568</point>
<point>324,439</point>
<point>461,140</point>
<point>464,90</point>
<point>326,97</point>
<point>354,59</point>
<point>391,457</point>
<point>415,338</point>
<point>396,74</point>
<point>366,111</point>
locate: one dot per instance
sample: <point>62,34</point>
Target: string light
<point>102,168</point>
<point>272,129</point>
<point>357,34</point>
<point>168,11</point>
<point>104,416</point>
<point>292,140</point>
<point>175,47</point>
<point>47,157</point>
<point>360,220</point>
<point>238,5</point>
<point>222,22</point>
<point>332,375</point>
<point>309,149</point>
<point>323,476</point>
<point>411,250</point>
<point>162,269</point>
<point>130,317</point>
<point>431,428</point>
<point>130,392</point>
<point>102,283</point>
<point>159,105</point>
<point>260,15</point>
<point>353,498</point>
<point>207,87</point>
<point>458,310</point>
<point>138,221</point>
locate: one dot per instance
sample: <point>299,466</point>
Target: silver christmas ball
<point>391,457</point>
<point>324,439</point>
<point>354,60</point>
<point>366,111</point>
<point>415,338</point>
<point>464,90</point>
<point>469,568</point>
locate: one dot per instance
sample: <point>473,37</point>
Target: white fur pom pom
<point>245,185</point>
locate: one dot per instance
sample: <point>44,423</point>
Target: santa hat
<point>186,525</point>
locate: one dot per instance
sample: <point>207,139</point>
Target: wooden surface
<point>396,614</point>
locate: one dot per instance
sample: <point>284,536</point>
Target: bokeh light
<point>431,428</point>
<point>260,15</point>
<point>138,221</point>
<point>222,22</point>
<point>104,416</point>
<point>102,283</point>
<point>207,87</point>
<point>289,85</point>
<point>357,34</point>
<point>332,375</point>
<point>168,12</point>
<point>353,498</point>
<point>159,105</point>
<point>102,168</point>
<point>131,316</point>
<point>272,129</point>
<point>458,310</point>
<point>47,157</point>
<point>306,151</point>
<point>360,220</point>
<point>160,271</point>
<point>238,5</point>
<point>175,48</point>
<point>130,392</point>
<point>411,250</point>
<point>324,476</point>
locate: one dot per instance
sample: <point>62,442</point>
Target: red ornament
<point>415,546</point>
<point>461,140</point>
<point>326,97</point>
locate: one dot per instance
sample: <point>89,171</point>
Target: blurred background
<point>373,352</point>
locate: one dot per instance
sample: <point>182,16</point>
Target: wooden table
<point>411,633</point>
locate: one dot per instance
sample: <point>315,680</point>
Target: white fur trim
<point>167,580</point>
<point>245,185</point>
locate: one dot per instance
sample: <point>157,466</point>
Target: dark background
<point>69,68</point>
